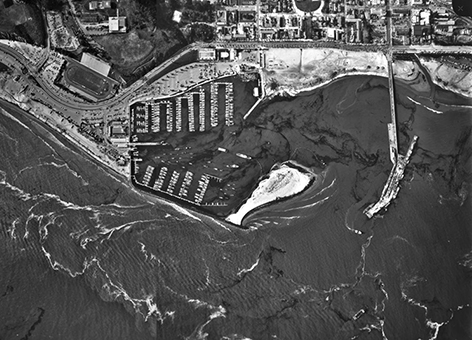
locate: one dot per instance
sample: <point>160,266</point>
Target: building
<point>221,18</point>
<point>420,2</point>
<point>95,64</point>
<point>177,17</point>
<point>93,5</point>
<point>206,54</point>
<point>421,30</point>
<point>118,135</point>
<point>104,4</point>
<point>225,54</point>
<point>90,18</point>
<point>117,24</point>
<point>331,33</point>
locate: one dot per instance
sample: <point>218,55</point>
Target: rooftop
<point>95,64</point>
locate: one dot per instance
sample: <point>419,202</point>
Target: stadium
<point>89,83</point>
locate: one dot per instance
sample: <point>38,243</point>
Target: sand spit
<point>283,181</point>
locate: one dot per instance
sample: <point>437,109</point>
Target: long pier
<point>391,188</point>
<point>392,126</point>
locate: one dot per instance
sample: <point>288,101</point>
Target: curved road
<point>50,96</point>
<point>121,99</point>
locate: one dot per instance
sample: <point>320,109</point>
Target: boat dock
<point>391,188</point>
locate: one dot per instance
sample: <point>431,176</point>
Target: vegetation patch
<point>125,49</point>
<point>22,21</point>
<point>308,5</point>
<point>135,53</point>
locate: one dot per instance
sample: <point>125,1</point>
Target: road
<point>120,99</point>
<point>48,95</point>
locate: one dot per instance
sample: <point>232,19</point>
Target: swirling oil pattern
<point>83,255</point>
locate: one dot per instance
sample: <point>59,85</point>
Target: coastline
<point>292,79</point>
<point>292,92</point>
<point>69,131</point>
<point>28,110</point>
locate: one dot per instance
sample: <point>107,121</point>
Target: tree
<point>54,5</point>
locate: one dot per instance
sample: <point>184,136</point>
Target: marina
<point>175,143</point>
<point>199,110</point>
<point>174,182</point>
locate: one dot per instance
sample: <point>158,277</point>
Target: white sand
<point>282,182</point>
<point>448,77</point>
<point>298,70</point>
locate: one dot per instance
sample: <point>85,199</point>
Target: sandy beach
<point>289,72</point>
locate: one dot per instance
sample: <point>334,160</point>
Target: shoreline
<point>150,198</point>
<point>292,92</point>
<point>30,110</point>
<point>35,109</point>
<point>301,91</point>
<point>401,73</point>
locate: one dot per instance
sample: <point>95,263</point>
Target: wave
<point>426,107</point>
<point>16,120</point>
<point>125,226</point>
<point>311,205</point>
<point>248,270</point>
<point>346,221</point>
<point>57,266</point>
<point>66,166</point>
<point>12,229</point>
<point>220,312</point>
<point>4,133</point>
<point>466,260</point>
<point>19,193</point>
<point>115,290</point>
<point>183,211</point>
<point>432,325</point>
<point>147,255</point>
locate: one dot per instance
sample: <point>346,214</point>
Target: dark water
<point>84,256</point>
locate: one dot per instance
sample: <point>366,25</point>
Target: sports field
<point>87,80</point>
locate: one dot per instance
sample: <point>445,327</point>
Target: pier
<point>391,188</point>
<point>392,126</point>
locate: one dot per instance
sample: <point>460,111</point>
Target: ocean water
<point>85,256</point>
